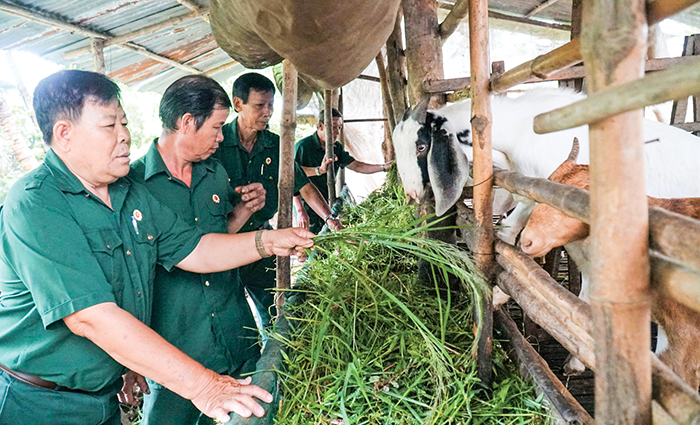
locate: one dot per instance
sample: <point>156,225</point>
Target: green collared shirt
<point>261,165</point>
<point>64,250</point>
<point>308,152</point>
<point>204,315</point>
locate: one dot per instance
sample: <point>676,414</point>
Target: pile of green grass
<point>374,345</point>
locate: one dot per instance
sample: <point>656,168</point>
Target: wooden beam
<point>483,170</point>
<point>328,128</point>
<point>457,14</point>
<point>570,54</point>
<point>70,55</point>
<point>369,78</point>
<point>542,6</point>
<point>689,126</point>
<point>285,183</point>
<point>45,19</point>
<point>534,22</point>
<point>351,120</point>
<point>386,93</point>
<point>674,83</point>
<point>98,56</point>
<point>533,367</point>
<point>200,11</point>
<point>396,68</point>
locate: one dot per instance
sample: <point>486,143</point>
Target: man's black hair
<point>198,95</point>
<point>61,96</point>
<point>251,81</point>
<point>322,115</point>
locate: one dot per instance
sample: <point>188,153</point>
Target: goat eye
<point>421,148</point>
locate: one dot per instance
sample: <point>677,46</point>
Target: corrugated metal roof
<point>189,42</point>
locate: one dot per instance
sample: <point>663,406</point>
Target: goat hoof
<point>573,367</point>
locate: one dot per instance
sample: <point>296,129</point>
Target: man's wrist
<point>317,170</point>
<point>259,245</point>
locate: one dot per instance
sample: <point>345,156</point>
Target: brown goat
<point>549,228</point>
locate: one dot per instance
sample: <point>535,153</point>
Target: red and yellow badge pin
<point>268,161</point>
<point>138,215</point>
<point>215,198</point>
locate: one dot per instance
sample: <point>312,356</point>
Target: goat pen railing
<point>675,256</point>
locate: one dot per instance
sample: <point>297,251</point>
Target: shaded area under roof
<point>188,40</point>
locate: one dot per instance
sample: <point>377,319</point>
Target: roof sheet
<point>189,42</point>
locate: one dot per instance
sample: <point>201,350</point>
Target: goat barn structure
<point>156,42</point>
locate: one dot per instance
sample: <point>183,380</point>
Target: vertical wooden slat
<point>285,183</point>
<point>574,83</point>
<point>388,108</point>
<point>613,45</point>
<point>341,173</point>
<point>98,57</point>
<point>328,124</point>
<point>482,168</point>
<point>396,68</point>
<point>423,48</point>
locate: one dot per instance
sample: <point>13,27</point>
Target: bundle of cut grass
<point>373,345</point>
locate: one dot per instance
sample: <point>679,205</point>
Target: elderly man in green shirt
<point>310,154</point>
<point>250,153</point>
<point>204,315</point>
<point>80,244</point>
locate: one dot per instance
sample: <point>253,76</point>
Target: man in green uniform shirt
<point>250,153</point>
<point>204,315</point>
<point>80,245</point>
<point>310,154</point>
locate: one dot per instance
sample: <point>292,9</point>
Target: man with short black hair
<point>204,315</point>
<point>310,154</point>
<point>80,245</point>
<point>250,153</point>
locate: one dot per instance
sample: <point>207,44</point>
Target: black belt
<point>35,381</point>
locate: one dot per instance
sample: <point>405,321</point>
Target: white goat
<point>427,145</point>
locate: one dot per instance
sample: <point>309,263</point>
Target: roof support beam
<point>545,4</point>
<point>457,14</point>
<point>138,33</point>
<point>204,14</point>
<point>46,19</point>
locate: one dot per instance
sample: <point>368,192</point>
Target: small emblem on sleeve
<point>137,215</point>
<point>268,161</point>
<point>215,198</point>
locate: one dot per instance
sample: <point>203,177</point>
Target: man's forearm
<point>237,218</point>
<point>310,171</point>
<point>139,348</point>
<point>217,252</point>
<point>315,200</point>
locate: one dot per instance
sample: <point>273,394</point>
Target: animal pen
<point>642,250</point>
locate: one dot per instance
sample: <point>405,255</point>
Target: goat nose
<point>525,242</point>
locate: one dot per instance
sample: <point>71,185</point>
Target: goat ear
<point>448,168</point>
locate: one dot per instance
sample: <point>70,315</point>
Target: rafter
<point>48,20</point>
<point>138,33</point>
<point>545,4</point>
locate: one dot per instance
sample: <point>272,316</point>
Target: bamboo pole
<point>396,68</point>
<point>341,173</point>
<point>675,83</point>
<point>328,124</point>
<point>457,14</point>
<point>532,366</point>
<point>679,401</point>
<point>19,82</point>
<point>98,57</point>
<point>542,6</point>
<point>285,184</point>
<point>613,45</point>
<point>386,92</point>
<point>570,54</point>
<point>482,167</point>
<point>423,48</point>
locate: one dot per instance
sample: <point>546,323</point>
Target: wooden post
<point>423,48</point>
<point>328,124</point>
<point>613,46</point>
<point>574,83</point>
<point>98,58</point>
<point>454,18</point>
<point>396,68</point>
<point>482,167</point>
<point>388,107</point>
<point>285,184</point>
<point>341,173</point>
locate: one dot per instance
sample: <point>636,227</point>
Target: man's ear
<point>187,123</point>
<point>237,104</point>
<point>62,133</point>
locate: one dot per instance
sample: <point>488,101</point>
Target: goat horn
<point>574,151</point>
<point>421,110</point>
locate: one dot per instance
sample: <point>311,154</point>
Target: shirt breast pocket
<point>106,245</point>
<point>147,246</point>
<point>219,217</point>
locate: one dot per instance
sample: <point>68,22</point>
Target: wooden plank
<point>542,6</point>
<point>328,128</point>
